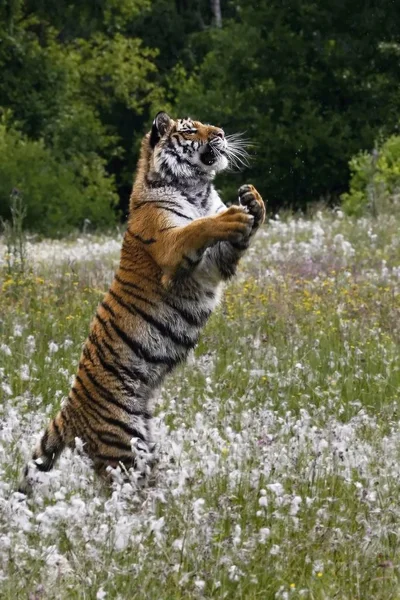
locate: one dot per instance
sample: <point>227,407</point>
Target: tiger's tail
<point>48,450</point>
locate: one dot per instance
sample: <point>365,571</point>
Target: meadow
<point>279,442</point>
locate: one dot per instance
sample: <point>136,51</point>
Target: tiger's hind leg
<point>48,450</point>
<point>138,469</point>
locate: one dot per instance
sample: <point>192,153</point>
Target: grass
<point>279,442</point>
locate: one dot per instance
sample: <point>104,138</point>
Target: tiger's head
<point>186,149</point>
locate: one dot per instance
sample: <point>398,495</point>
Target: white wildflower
<point>79,444</point>
<point>200,584</point>
<point>264,533</point>
<point>277,488</point>
<point>295,505</point>
<point>198,509</point>
<point>234,573</point>
<point>178,544</point>
<point>317,567</point>
<point>5,349</point>
<point>24,373</point>
<point>6,389</point>
<point>53,347</point>
<point>30,344</point>
<point>18,329</point>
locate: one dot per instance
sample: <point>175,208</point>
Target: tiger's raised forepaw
<point>252,200</point>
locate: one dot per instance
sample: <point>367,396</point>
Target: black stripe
<point>140,351</point>
<point>163,328</point>
<point>122,458</point>
<point>93,413</point>
<point>103,390</point>
<point>174,203</point>
<point>131,372</point>
<point>168,228</point>
<point>57,429</point>
<point>93,338</point>
<point>108,308</point>
<point>137,296</point>
<point>204,201</point>
<point>103,324</point>
<point>176,137</point>
<point>139,274</point>
<point>65,416</point>
<point>44,467</point>
<point>88,395</point>
<point>116,370</point>
<point>181,160</point>
<point>156,183</point>
<point>81,415</point>
<point>103,393</point>
<point>43,442</point>
<point>111,420</point>
<point>166,330</point>
<point>226,265</point>
<point>109,368</point>
<point>116,443</point>
<point>191,318</point>
<point>192,263</point>
<point>109,396</point>
<point>241,246</point>
<point>145,241</point>
<point>191,199</point>
<point>176,212</point>
<point>87,407</point>
<point>159,204</point>
<point>143,203</point>
<point>131,309</point>
<point>155,203</point>
<point>128,283</point>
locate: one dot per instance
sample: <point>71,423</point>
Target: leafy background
<point>310,83</point>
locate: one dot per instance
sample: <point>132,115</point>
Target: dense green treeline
<point>311,83</point>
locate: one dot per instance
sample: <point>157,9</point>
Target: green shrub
<point>58,195</point>
<point>375,179</point>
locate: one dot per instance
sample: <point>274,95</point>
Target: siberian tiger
<point>181,243</point>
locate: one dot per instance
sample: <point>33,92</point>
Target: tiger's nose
<point>219,133</point>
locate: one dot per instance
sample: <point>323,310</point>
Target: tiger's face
<point>184,148</point>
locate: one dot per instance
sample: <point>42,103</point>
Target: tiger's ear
<point>160,126</point>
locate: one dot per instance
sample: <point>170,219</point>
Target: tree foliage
<point>57,196</point>
<point>310,83</point>
<point>375,179</point>
<point>68,83</point>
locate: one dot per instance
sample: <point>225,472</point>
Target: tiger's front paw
<point>251,199</point>
<point>234,225</point>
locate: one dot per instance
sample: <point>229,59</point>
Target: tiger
<point>181,244</point>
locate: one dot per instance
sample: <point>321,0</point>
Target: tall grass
<point>278,472</point>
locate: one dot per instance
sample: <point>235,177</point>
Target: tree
<point>216,12</point>
<point>76,82</point>
<point>307,81</point>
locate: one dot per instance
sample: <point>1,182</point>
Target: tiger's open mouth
<point>208,156</point>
